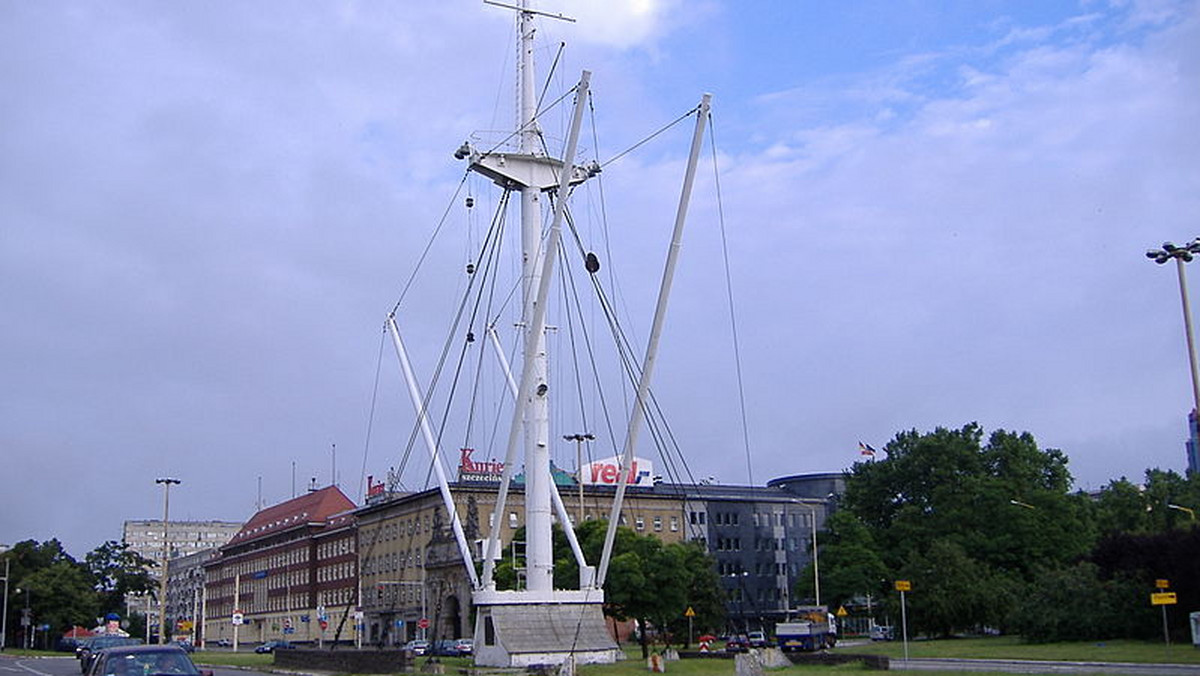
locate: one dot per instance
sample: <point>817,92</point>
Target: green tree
<point>952,591</point>
<point>61,596</point>
<point>1006,502</point>
<point>57,589</point>
<point>703,592</point>
<point>649,581</point>
<point>1136,561</point>
<point>850,565</point>
<point>969,522</point>
<point>1121,508</point>
<point>1158,505</point>
<point>1075,604</point>
<point>117,571</point>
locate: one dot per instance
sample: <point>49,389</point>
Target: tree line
<point>62,592</point>
<point>992,538</point>
<point>988,532</point>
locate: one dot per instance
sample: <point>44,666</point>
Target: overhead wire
<point>733,324</point>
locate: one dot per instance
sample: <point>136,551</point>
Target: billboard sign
<point>607,472</point>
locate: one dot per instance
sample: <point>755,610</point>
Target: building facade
<point>762,539</point>
<point>185,594</point>
<point>149,539</point>
<point>412,568</point>
<point>290,573</point>
<point>316,568</point>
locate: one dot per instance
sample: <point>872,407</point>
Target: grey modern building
<point>763,539</point>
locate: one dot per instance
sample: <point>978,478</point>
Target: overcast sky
<point>936,213</point>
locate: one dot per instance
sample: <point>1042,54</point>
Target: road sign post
<point>904,586</point>
<point>1164,599</point>
<point>690,614</point>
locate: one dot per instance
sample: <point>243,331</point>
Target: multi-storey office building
<point>396,560</point>
<point>290,573</point>
<point>185,594</point>
<point>760,537</point>
<point>151,540</point>
<point>146,537</point>
<point>412,568</point>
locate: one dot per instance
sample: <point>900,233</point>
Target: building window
<point>674,524</point>
<point>639,523</point>
<point>658,523</point>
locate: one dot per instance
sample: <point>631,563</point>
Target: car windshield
<point>148,664</point>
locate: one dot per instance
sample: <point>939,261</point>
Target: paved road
<point>69,666</point>
<point>1043,667</point>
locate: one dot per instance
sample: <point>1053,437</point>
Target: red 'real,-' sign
<point>608,472</point>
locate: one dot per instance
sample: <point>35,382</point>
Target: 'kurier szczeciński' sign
<point>478,470</point>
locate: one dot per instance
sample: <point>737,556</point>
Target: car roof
<point>137,649</point>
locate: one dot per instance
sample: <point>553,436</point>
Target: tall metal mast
<point>538,516</point>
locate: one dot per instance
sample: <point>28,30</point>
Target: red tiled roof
<point>315,507</point>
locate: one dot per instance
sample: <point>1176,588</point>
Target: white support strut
<point>660,313</point>
<point>414,393</point>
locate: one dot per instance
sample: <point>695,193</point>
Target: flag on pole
<point>865,449</point>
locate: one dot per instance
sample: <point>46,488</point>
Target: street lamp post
<point>1187,510</point>
<point>1181,255</point>
<point>27,621</point>
<point>4,618</point>
<point>812,515</point>
<point>579,439</point>
<point>162,583</point>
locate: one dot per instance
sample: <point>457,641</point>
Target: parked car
<point>88,648</point>
<point>224,643</point>
<point>757,639</point>
<point>417,647</point>
<point>882,632</point>
<point>454,647</point>
<point>138,660</point>
<point>738,643</point>
<point>272,646</point>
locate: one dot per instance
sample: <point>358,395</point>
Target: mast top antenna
<point>561,17</point>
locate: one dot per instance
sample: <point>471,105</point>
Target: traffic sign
<point>903,585</point>
<point>423,623</point>
<point>841,611</point>
<point>689,612</point>
<point>1162,584</point>
<point>1163,599</point>
<point>238,619</point>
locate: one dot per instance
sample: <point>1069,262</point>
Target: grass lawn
<point>228,658</point>
<point>1006,647</point>
<point>996,648</point>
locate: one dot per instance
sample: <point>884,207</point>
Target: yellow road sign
<point>1162,584</point>
<point>690,612</point>
<point>841,611</point>
<point>903,585</point>
<point>1163,599</point>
